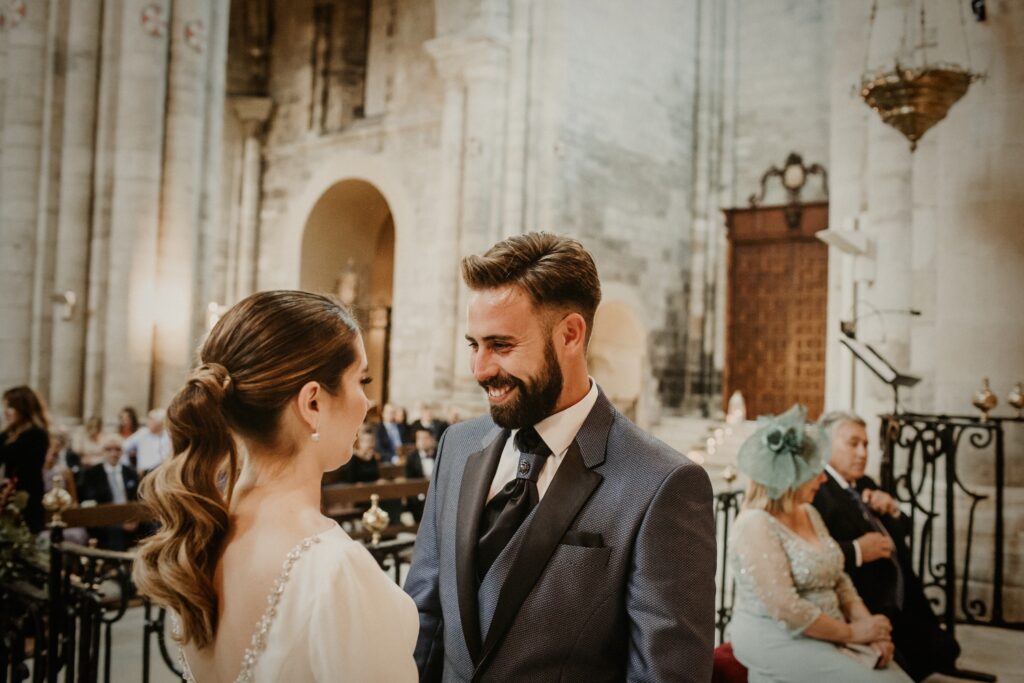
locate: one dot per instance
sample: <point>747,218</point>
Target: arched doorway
<point>617,356</point>
<point>348,250</point>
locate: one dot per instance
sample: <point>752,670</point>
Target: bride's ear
<point>308,404</point>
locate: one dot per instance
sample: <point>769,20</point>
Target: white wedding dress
<point>333,615</point>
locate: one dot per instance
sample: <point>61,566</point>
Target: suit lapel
<point>850,510</point>
<point>569,491</point>
<point>476,482</point>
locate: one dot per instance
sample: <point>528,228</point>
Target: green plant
<point>17,543</point>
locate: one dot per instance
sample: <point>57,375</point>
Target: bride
<point>265,587</point>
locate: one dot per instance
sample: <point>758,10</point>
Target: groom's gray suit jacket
<point>610,578</point>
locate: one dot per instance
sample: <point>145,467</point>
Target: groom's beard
<point>534,399</point>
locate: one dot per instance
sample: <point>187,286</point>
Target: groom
<point>559,542</point>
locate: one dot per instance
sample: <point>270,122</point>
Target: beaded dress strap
<point>259,638</point>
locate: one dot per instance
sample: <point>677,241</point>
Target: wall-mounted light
<point>68,300</point>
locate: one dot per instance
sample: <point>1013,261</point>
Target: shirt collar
<point>838,477</point>
<point>111,469</point>
<point>559,430</point>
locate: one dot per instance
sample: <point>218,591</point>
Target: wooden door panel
<point>776,310</point>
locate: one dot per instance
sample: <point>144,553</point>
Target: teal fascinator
<point>784,452</point>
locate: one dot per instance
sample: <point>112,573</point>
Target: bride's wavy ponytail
<point>255,360</point>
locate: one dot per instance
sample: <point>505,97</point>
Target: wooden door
<point>776,309</point>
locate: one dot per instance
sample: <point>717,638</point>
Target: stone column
<point>49,184</point>
<point>77,156</point>
<point>253,112</point>
<point>130,147</point>
<point>181,192</point>
<point>21,125</point>
<point>217,177</point>
<point>473,70</point>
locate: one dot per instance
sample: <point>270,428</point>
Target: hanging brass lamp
<point>912,99</point>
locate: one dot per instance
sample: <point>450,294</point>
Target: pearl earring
<point>316,435</point>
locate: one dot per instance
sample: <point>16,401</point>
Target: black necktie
<point>877,525</point>
<point>504,514</point>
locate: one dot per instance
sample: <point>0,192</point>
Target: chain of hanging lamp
<point>913,98</point>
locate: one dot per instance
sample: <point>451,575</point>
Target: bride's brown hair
<point>254,361</point>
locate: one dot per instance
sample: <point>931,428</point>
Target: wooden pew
<point>337,500</point>
<point>389,471</point>
<point>348,495</point>
<point>346,503</point>
<point>108,514</point>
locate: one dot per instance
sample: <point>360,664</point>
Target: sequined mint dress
<point>783,584</point>
<point>332,616</point>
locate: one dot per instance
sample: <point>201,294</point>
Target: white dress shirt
<point>558,431</point>
<point>150,449</point>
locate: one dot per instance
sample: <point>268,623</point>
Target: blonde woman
<point>265,587</point>
<point>797,617</point>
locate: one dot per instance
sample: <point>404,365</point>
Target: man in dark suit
<point>427,421</point>
<point>420,465</point>
<point>66,455</point>
<point>559,541</point>
<point>111,482</point>
<point>872,533</point>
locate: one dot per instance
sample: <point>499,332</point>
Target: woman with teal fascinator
<point>797,616</point>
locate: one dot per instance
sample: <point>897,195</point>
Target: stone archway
<point>617,356</point>
<point>348,250</point>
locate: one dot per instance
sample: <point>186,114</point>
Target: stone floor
<point>994,651</point>
<point>991,650</point>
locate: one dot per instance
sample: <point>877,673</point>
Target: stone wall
<point>515,119</point>
<point>106,153</point>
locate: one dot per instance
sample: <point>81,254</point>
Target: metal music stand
<point>882,368</point>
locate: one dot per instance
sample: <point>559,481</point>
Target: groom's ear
<point>572,333</point>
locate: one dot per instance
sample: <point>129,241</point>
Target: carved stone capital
<point>253,112</point>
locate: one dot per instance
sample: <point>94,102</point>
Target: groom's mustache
<point>501,381</point>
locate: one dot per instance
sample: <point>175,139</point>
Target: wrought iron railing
<point>727,506</point>
<point>59,626</point>
<point>920,467</point>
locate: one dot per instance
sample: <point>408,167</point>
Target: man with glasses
<point>111,482</point>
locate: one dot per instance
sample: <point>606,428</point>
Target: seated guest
<point>420,465</point>
<point>873,533</point>
<point>797,615</point>
<point>390,435</point>
<point>112,481</point>
<point>453,416</point>
<point>66,456</point>
<point>23,445</point>
<point>364,466</point>
<point>55,465</point>
<point>426,421</point>
<point>89,443</point>
<point>150,446</point>
<point>402,419</point>
<point>128,422</point>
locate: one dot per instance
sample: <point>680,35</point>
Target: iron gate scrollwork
<point>920,468</point>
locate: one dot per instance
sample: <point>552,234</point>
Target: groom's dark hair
<point>555,271</point>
